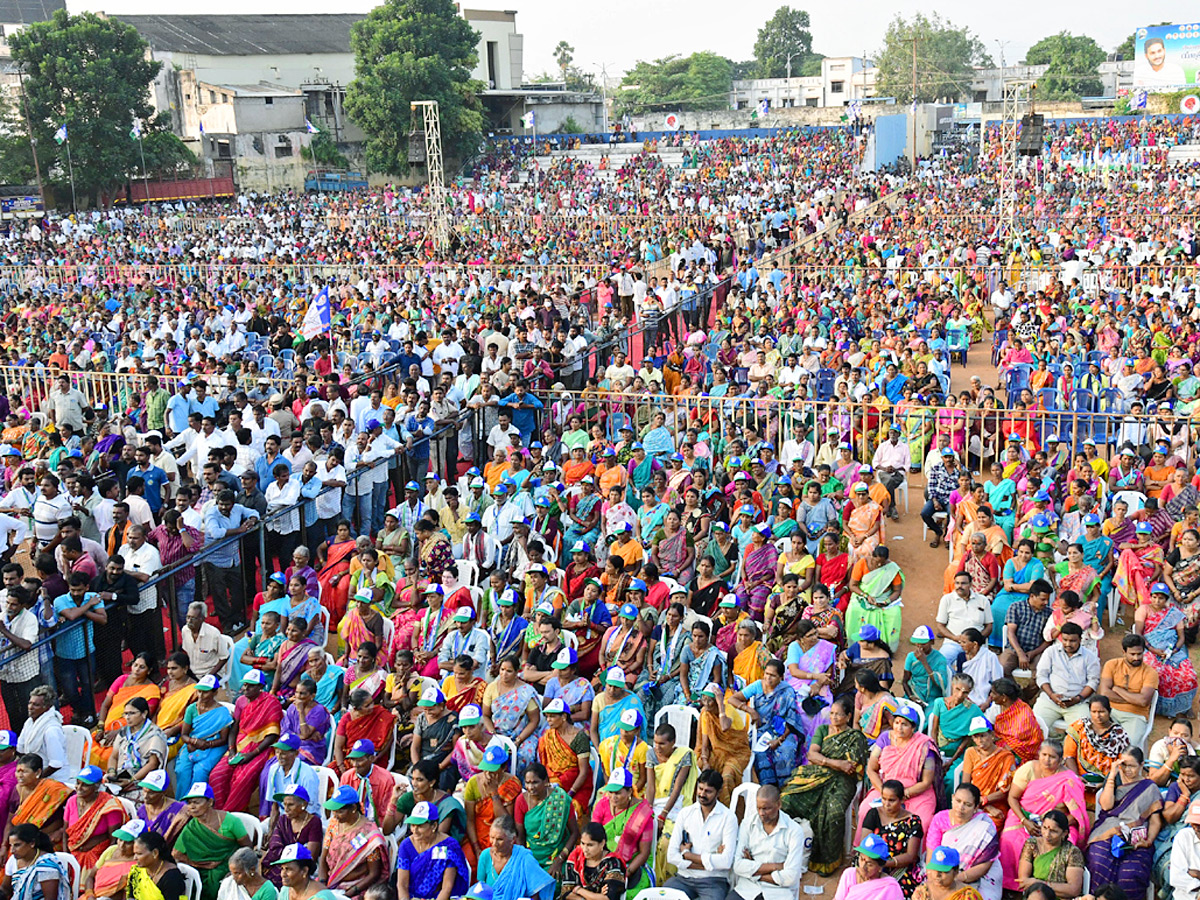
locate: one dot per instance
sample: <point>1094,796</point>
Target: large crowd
<point>559,566</point>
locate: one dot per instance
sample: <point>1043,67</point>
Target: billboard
<point>1166,57</point>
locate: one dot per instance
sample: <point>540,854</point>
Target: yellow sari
<point>750,663</point>
<point>171,710</point>
<point>116,715</point>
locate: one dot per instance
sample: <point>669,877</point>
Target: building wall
<point>253,113</point>
<point>257,167</point>
<point>842,79</point>
<point>286,71</point>
<point>550,117</point>
<point>508,55</point>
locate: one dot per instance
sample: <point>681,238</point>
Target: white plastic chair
<point>79,747</point>
<point>389,630</point>
<point>329,739</point>
<point>852,819</point>
<point>571,639</point>
<point>752,736</point>
<point>661,893</point>
<point>748,792</point>
<point>227,705</point>
<point>902,488</point>
<point>253,826</point>
<point>940,515</point>
<point>468,572</point>
<point>682,719</point>
<point>71,864</point>
<point>328,780</point>
<point>129,806</point>
<point>1150,721</point>
<point>508,744</point>
<point>191,879</point>
<point>226,651</point>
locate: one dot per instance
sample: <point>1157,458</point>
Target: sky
<point>617,33</point>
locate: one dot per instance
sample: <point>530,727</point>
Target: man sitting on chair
<point>771,855</point>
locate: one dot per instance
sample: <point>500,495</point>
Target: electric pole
<point>913,150</point>
<point>37,169</point>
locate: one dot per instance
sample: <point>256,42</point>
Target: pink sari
<point>1064,788</point>
<point>883,888</point>
<point>905,764</point>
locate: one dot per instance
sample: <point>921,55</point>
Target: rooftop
<point>243,35</point>
<point>26,12</point>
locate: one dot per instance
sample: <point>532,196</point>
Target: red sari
<point>835,573</point>
<point>376,726</point>
<point>576,577</point>
<point>335,598</point>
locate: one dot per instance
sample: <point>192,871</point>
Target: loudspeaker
<point>1033,127</point>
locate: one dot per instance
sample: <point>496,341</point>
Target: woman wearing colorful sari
<point>430,631</point>
<point>1181,571</point>
<point>990,768</point>
<point>610,703</point>
<point>546,820</point>
<point>308,720</point>
<point>700,664</point>
<point>510,869</point>
<point>138,683</point>
<point>810,665</point>
<point>724,744</point>
<point>628,824</point>
<point>157,810</point>
<point>364,719</point>
<point>1001,497</point>
<point>490,794</point>
<point>1038,787</point>
<point>110,878</point>
<point>178,691</point>
<point>757,571</point>
<point>773,706</point>
<point>876,588</point>
<point>672,550</point>
<point>659,682</point>
<point>827,617</point>
<point>969,830</point>
<point>902,830</point>
<point>833,570</point>
<point>949,721</point>
<point>362,622</point>
<point>583,510</point>
<point>867,879</point>
<point>334,574</point>
<point>1050,858</point>
<point>1129,817</point>
<point>1094,743</point>
<point>257,716</point>
<point>139,749</point>
<point>204,738</point>
<point>353,851</point>
<point>749,655</point>
<point>291,659</point>
<point>821,791</point>
<point>564,750</point>
<point>1019,573</point>
<point>576,573</point>
<point>906,755</point>
<point>1162,624</point>
<point>429,865</point>
<point>623,644</point>
<point>91,817</point>
<point>1138,566</point>
<point>511,708</point>
<point>34,872</point>
<point>863,525</point>
<point>36,800</point>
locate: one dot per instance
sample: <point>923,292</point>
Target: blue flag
<point>316,320</point>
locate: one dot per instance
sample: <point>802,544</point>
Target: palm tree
<point>564,53</point>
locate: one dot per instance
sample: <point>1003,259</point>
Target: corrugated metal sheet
<point>245,35</point>
<point>26,12</point>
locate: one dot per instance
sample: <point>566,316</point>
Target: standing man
<point>222,569</point>
<point>77,643</point>
<point>19,673</point>
<point>144,621</point>
<point>65,405</point>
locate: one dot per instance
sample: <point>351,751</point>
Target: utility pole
<point>913,149</point>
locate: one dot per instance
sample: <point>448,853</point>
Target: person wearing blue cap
<point>258,715</point>
<point>428,862</point>
<point>941,480</point>
<point>286,768</point>
<point>354,848</point>
<point>372,781</point>
<point>867,878</point>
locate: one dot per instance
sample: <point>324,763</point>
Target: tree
<point>785,34</point>
<point>564,55</point>
<point>699,81</point>
<point>406,50</point>
<point>92,75</point>
<point>1127,47</point>
<point>166,155</point>
<point>324,152</point>
<point>16,155</point>
<point>744,70</point>
<point>1072,60</point>
<point>946,58</point>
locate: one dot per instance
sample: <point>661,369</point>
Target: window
<point>837,87</point>
<point>811,101</point>
<point>270,101</point>
<point>283,151</point>
<point>223,150</point>
<point>212,96</point>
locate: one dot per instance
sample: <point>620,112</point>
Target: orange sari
<point>457,698</point>
<point>116,714</point>
<point>93,821</point>
<point>43,804</point>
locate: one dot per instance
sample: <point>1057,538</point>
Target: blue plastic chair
<point>1016,380</point>
<point>958,341</point>
<point>1049,398</point>
<point>825,380</point>
<point>1083,401</point>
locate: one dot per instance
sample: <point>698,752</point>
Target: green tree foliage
<point>92,75</point>
<point>785,33</point>
<point>166,155</point>
<point>946,57</point>
<point>406,50</point>
<point>812,65</point>
<point>570,126</point>
<point>323,151</point>
<point>16,154</point>
<point>1073,60</point>
<point>699,81</point>
<point>564,55</point>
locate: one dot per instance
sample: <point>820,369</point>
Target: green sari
<point>546,825</point>
<point>953,725</point>
<point>823,796</point>
<point>201,844</point>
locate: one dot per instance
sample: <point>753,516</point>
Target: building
<point>842,79</point>
<point>16,14</point>
<point>988,84</point>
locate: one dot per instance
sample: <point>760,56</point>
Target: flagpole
<point>71,170</point>
<point>145,174</point>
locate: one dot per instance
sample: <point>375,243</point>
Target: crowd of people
<point>560,567</point>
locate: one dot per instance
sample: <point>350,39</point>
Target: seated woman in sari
<point>810,665</point>
<point>261,649</point>
<point>906,755</point>
<point>291,659</point>
<point>821,791</point>
<point>178,691</point>
<point>511,708</point>
<point>724,739</point>
<point>309,720</point>
<point>623,644</point>
<point>583,511</point>
<point>565,752</point>
<point>1039,786</point>
<point>333,571</point>
<point>970,831</point>
<point>91,817</point>
<point>372,577</point>
<point>758,571</point>
<point>510,869</point>
<point>869,654</point>
<point>205,735</point>
<point>206,837</point>
<point>296,825</point>
<point>659,683</point>
<point>34,872</point>
<point>673,550</point>
<point>591,872</point>
<point>1051,858</point>
<point>110,878</point>
<point>902,830</point>
<point>138,683</point>
<point>1120,848</point>
<point>354,854</point>
<point>364,719</point>
<point>429,865</point>
<point>365,672</point>
<point>1139,565</point>
<point>876,587</point>
<point>1094,743</point>
<point>1019,573</point>
<point>1001,497</point>
<point>362,622</point>
<point>826,617</point>
<point>430,632</point>
<point>1163,624</point>
<point>628,824</point>
<point>139,749</point>
<point>833,570</point>
<point>863,524</point>
<point>36,800</point>
<point>546,820</point>
<point>491,793</point>
<point>772,704</point>
<point>949,721</point>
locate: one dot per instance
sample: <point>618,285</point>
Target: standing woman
<point>34,873</point>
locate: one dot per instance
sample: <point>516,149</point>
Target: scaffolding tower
<point>1017,101</point>
<point>439,224</point>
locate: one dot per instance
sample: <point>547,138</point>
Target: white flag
<point>61,134</point>
<point>528,120</point>
<point>764,106</point>
<point>310,127</point>
<point>316,319</point>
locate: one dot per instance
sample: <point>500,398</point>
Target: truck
<point>326,181</point>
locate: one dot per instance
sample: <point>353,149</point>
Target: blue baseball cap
<point>293,790</point>
<point>372,424</point>
<point>567,656</point>
<point>1091,519</point>
<point>944,859</point>
<point>874,846</point>
<point>628,611</point>
<point>362,748</point>
<point>621,777</point>
<point>412,486</point>
<point>254,676</point>
<point>479,891</point>
<point>422,814</point>
<point>344,796</point>
<point>1143,528</point>
<point>294,853</point>
<point>90,775</point>
<point>287,741</point>
<point>636,584</point>
<point>495,758</point>
<point>1160,587</point>
<point>868,633</point>
<point>474,517</point>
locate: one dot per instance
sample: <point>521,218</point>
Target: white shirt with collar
<point>789,843</point>
<point>713,838</point>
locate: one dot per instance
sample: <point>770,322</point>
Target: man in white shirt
<point>703,843</point>
<point>43,734</point>
<point>959,610</point>
<point>1185,857</point>
<point>772,851</point>
<point>892,461</point>
<point>1068,675</point>
<point>201,642</point>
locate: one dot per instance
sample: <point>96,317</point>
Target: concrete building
<point>988,84</point>
<point>16,14</point>
<point>842,79</point>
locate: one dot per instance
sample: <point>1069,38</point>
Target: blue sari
<point>1031,572</point>
<point>195,765</point>
<point>238,669</point>
<point>1097,554</point>
<point>328,686</point>
<point>427,870</point>
<point>659,442</point>
<point>575,532</point>
<point>651,519</point>
<point>522,876</point>
<point>1002,499</point>
<point>779,711</point>
<point>610,715</point>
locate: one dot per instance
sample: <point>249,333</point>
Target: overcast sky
<point>618,33</point>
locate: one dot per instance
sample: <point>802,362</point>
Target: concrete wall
<point>253,113</point>
<point>550,117</point>
<point>285,70</point>
<point>257,168</point>
<point>509,50</point>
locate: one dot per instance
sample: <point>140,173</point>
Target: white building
<point>987,86</point>
<point>842,79</point>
